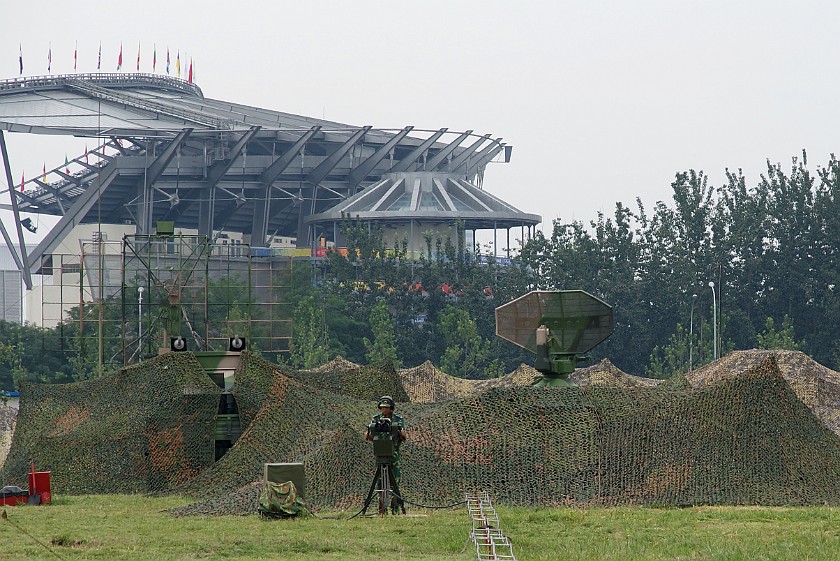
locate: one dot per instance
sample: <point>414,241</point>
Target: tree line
<point>770,250</point>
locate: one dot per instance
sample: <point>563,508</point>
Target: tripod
<point>385,484</point>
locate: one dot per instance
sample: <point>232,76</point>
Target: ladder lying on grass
<point>491,544</point>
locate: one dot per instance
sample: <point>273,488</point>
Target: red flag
<point>189,79</point>
<point>22,181</point>
<point>75,56</point>
<point>119,60</point>
<point>66,165</point>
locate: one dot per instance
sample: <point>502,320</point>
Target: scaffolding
<point>120,302</point>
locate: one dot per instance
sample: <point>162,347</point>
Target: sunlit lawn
<point>136,527</point>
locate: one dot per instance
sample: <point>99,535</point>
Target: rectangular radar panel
<point>578,321</point>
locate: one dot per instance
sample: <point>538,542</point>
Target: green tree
<point>382,349</point>
<point>772,338</point>
<point>310,343</point>
<point>466,354</point>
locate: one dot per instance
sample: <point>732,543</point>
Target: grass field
<point>136,527</point>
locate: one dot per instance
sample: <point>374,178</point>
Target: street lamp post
<point>714,321</point>
<point>691,334</point>
<point>140,323</point>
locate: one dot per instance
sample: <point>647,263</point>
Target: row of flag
<point>189,70</point>
<point>44,170</point>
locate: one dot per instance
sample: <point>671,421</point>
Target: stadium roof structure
<point>164,152</point>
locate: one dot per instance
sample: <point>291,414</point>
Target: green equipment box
<point>280,473</point>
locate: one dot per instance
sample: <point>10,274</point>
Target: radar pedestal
<point>559,326</point>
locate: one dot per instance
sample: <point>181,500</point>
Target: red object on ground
<point>39,483</point>
<point>12,501</point>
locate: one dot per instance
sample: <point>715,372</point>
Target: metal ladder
<point>490,541</point>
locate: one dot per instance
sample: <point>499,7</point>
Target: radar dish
<point>577,320</point>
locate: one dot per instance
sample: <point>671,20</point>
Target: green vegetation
<point>772,251</point>
<point>139,528</point>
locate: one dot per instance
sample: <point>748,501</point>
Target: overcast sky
<point>602,101</point>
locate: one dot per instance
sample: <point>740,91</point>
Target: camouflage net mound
<point>817,386</point>
<point>8,418</point>
<point>338,364</point>
<point>428,384</point>
<point>745,440</point>
<point>605,373</point>
<point>146,428</point>
<point>740,433</point>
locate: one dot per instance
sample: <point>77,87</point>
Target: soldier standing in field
<point>386,411</point>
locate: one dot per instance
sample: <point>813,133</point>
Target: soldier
<point>386,410</point>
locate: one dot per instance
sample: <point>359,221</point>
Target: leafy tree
<point>310,347</point>
<point>383,349</point>
<point>467,354</point>
<point>772,338</point>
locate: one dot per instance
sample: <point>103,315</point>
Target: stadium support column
<point>315,177</point>
<point>262,206</point>
<point>206,205</point>
<point>151,175</point>
<point>21,261</point>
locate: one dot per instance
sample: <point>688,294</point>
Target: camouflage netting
<point>146,428</point>
<point>739,434</point>
<point>8,418</point>
<point>338,364</point>
<point>605,373</point>
<point>428,384</point>
<point>817,386</point>
<point>745,440</point>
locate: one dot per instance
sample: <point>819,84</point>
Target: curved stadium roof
<point>166,152</point>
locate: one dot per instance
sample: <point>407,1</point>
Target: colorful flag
<point>154,57</point>
<point>138,56</point>
<point>86,154</point>
<point>190,78</point>
<point>21,59</point>
<point>178,64</point>
<point>75,56</point>
<point>22,181</point>
<point>66,165</point>
<point>44,173</point>
<point>167,61</point>
<point>99,61</point>
<point>49,60</point>
<point>119,60</point>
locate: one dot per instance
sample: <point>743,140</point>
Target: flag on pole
<point>22,180</point>
<point>44,173</point>
<point>167,60</point>
<point>86,154</point>
<point>66,165</point>
<point>21,59</point>
<point>138,56</point>
<point>119,60</point>
<point>154,58</point>
<point>99,61</point>
<point>75,56</point>
<point>178,64</point>
<point>49,60</point>
<point>190,78</point>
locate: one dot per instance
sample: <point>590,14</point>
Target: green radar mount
<point>559,326</point>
